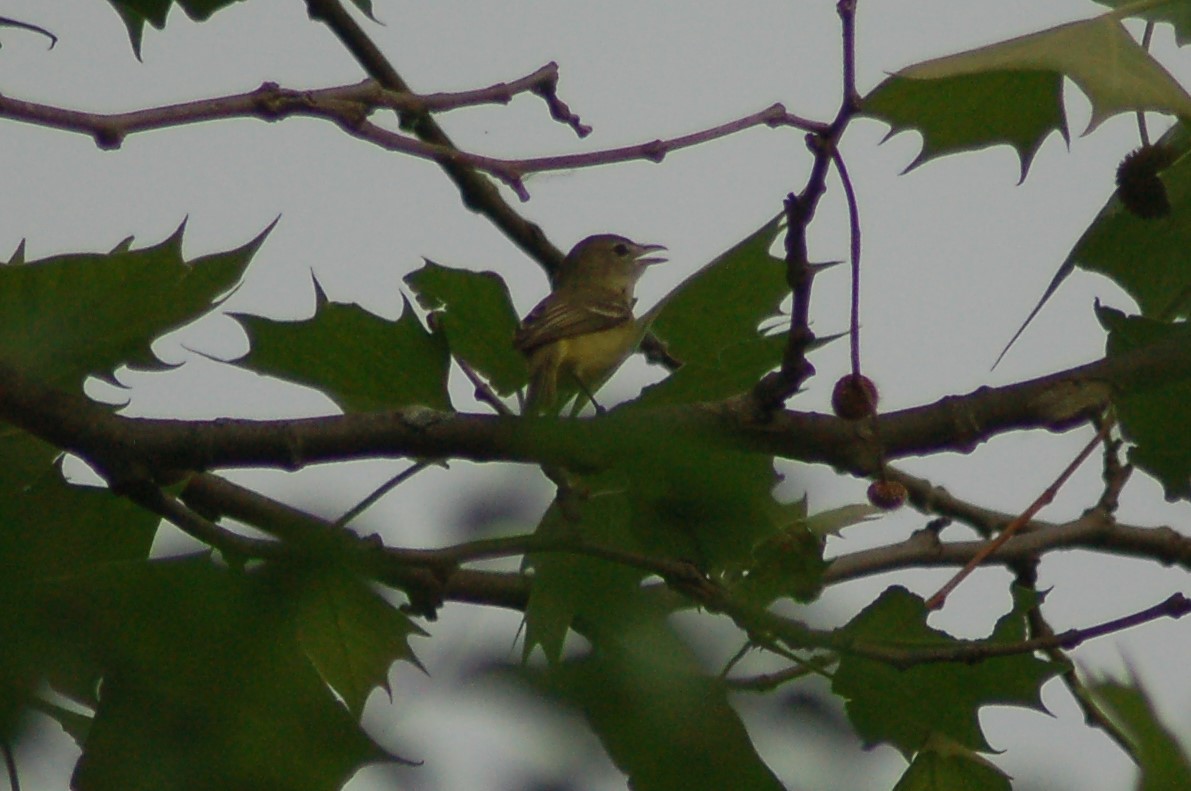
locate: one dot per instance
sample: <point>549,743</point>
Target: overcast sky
<point>955,254</point>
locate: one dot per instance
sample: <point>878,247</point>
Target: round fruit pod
<point>1139,188</point>
<point>854,396</point>
<point>887,495</point>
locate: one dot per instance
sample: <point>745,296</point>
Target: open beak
<point>645,259</point>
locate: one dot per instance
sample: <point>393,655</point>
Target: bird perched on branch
<point>577,336</point>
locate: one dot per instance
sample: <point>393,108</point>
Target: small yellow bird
<point>579,334</point>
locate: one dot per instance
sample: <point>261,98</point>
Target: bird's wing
<point>556,318</point>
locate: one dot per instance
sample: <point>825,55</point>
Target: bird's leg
<point>599,410</point>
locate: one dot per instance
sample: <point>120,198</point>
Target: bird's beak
<point>645,259</point>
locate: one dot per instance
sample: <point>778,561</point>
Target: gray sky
<point>955,254</point>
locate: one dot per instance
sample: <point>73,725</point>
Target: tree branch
<point>1045,498</point>
<point>349,107</point>
<point>345,104</point>
<point>479,194</point>
<point>1094,530</point>
<point>798,636</point>
<point>772,391</point>
<point>1093,714</point>
<point>427,577</point>
<point>134,449</point>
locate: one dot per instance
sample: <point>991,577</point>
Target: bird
<point>584,329</point>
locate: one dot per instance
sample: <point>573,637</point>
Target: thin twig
<point>1142,132</point>
<point>478,193</point>
<point>350,515</point>
<point>854,237</point>
<point>1093,531</point>
<point>10,764</point>
<point>772,391</point>
<point>761,622</point>
<point>1116,474</point>
<point>1093,714</point>
<point>349,107</point>
<point>1048,495</point>
<point>346,104</point>
<point>766,682</point>
<point>229,544</point>
<point>513,171</point>
<point>9,22</point>
<point>483,391</point>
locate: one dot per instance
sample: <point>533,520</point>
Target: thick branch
<point>133,449</point>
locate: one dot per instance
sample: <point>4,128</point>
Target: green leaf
<point>1147,258</point>
<point>945,766</point>
<point>905,707</point>
<point>1176,12</point>
<point>725,300</point>
<point>1164,763</point>
<point>788,563</point>
<point>53,531</point>
<point>474,311</point>
<point>352,635</point>
<point>52,528</point>
<point>70,316</point>
<point>668,491</point>
<point>569,586</point>
<point>1010,92</point>
<point>365,7</point>
<point>664,724</point>
<point>1156,419</point>
<point>967,112</point>
<point>136,13</point>
<point>710,322</point>
<point>205,685</point>
<point>733,370</point>
<point>693,496</point>
<point>361,361</point>
<point>832,521</point>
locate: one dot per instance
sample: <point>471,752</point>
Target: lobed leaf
<point>70,316</point>
<point>906,707</point>
<point>53,532</point>
<point>1163,762</point>
<point>664,724</point>
<point>1156,419</point>
<point>1176,12</point>
<point>205,685</point>
<point>693,496</point>
<point>351,635</point>
<point>710,322</point>
<point>945,766</point>
<point>136,13</point>
<point>1010,92</point>
<point>1147,258</point>
<point>1144,256</point>
<point>475,313</point>
<point>569,586</point>
<point>361,361</point>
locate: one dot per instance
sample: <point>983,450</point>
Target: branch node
<point>654,151</point>
<point>109,138</point>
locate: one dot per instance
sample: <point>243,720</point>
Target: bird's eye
<point>620,248</point>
